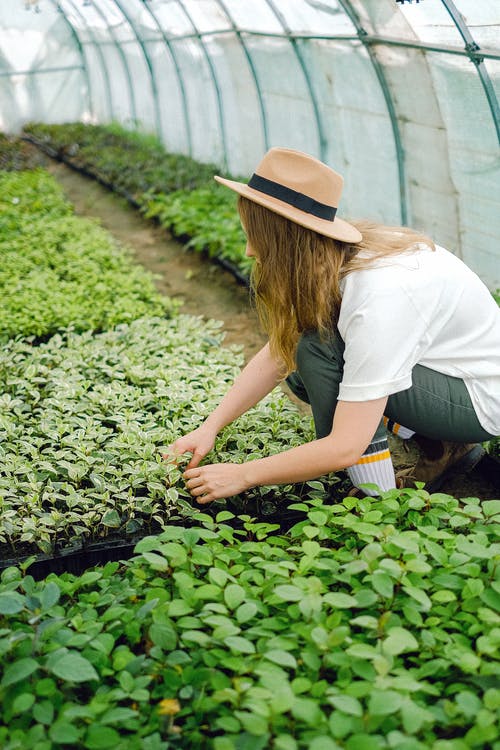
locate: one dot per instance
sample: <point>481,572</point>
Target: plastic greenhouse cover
<point>400,97</point>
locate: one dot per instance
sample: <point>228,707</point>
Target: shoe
<point>439,461</point>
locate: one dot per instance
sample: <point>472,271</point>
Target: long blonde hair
<point>297,274</point>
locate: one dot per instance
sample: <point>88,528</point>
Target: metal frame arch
<point>309,86</point>
<point>122,57</point>
<point>154,89</point>
<point>473,51</point>
<point>213,74</point>
<point>107,83</point>
<point>81,53</point>
<point>379,72</point>
<point>253,71</point>
<point>180,80</point>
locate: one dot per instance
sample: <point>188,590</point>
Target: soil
<point>209,291</point>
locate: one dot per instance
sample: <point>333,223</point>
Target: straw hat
<point>301,188</point>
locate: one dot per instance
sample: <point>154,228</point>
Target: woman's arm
<point>255,381</point>
<point>354,425</point>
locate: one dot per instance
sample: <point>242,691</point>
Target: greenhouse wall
<point>400,97</point>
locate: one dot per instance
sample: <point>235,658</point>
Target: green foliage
<point>174,189</point>
<point>58,270</point>
<point>373,623</point>
<point>130,161</point>
<point>83,419</point>
<point>16,155</point>
<point>207,216</point>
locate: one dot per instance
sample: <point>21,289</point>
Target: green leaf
<point>362,651</point>
<point>11,602</point>
<point>419,596</point>
<point>308,711</point>
<point>347,704</point>
<point>18,671</point>
<point>288,592</point>
<point>22,703</point>
<point>383,584</point>
<point>239,644</point>
<point>156,561</point>
<point>398,641</point>
<point>50,595</point>
<point>323,742</point>
<point>163,635</point>
<point>338,600</point>
<point>218,576</point>
<point>100,738</point>
<point>234,595</point>
<point>246,612</point>
<point>64,733</point>
<point>384,702</point>
<point>491,507</point>
<point>111,519</point>
<point>72,667</point>
<point>283,658</point>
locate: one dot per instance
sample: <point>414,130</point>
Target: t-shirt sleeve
<point>384,335</point>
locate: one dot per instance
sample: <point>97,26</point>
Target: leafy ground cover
<point>176,191</point>
<point>83,419</point>
<point>130,161</point>
<point>16,155</point>
<point>59,270</point>
<point>372,624</point>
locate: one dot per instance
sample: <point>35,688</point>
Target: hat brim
<point>337,229</point>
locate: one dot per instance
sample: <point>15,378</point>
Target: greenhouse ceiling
<point>401,97</point>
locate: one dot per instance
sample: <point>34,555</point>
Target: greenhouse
<point>197,549</point>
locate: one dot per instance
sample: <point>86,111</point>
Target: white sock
<point>397,429</point>
<point>374,467</point>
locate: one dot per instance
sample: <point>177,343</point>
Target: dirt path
<point>207,290</point>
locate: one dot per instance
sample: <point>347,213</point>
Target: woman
<point>376,327</point>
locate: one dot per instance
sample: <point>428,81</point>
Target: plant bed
<point>128,160</point>
<point>16,156</point>
<point>371,624</point>
<point>61,271</point>
<point>85,418</point>
<point>180,195</point>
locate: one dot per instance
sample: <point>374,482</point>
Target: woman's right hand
<point>199,442</point>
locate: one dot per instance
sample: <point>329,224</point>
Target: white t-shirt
<point>420,307</point>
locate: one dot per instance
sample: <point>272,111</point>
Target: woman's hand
<point>215,481</point>
<point>199,442</point>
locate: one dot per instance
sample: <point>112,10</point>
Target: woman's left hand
<point>215,481</point>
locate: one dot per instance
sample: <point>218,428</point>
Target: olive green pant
<point>436,406</point>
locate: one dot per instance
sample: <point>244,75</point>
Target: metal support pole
<point>213,74</point>
<point>317,113</point>
<point>180,79</point>
<point>81,53</point>
<point>473,51</point>
<point>253,71</point>
<point>154,89</point>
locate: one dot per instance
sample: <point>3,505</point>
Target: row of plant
<point>177,191</point>
<point>84,420</point>
<point>83,416</point>
<point>371,625</point>
<point>58,270</point>
<point>16,155</point>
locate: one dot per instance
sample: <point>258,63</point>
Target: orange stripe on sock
<point>396,427</point>
<point>372,457</point>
